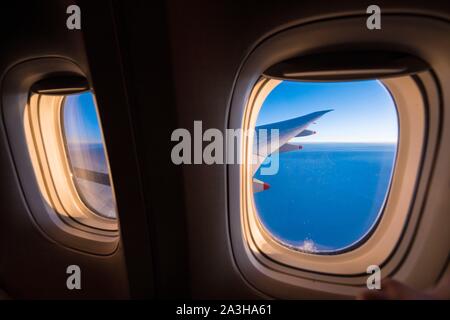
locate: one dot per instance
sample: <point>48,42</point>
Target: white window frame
<point>425,234</point>
<point>59,223</point>
<point>46,143</point>
<point>386,233</point>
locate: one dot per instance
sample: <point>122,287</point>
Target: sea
<point>326,197</point>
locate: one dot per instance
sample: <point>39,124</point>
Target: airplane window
<point>338,143</point>
<point>87,155</point>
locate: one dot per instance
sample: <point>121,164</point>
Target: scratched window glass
<point>87,154</point>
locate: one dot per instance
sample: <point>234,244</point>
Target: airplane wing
<point>288,129</point>
<point>92,176</point>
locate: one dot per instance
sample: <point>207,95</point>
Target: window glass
<point>329,191</point>
<point>87,155</point>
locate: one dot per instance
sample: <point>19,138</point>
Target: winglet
<point>324,111</point>
<point>259,185</point>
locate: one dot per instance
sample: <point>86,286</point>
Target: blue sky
<point>363,110</point>
<point>80,119</point>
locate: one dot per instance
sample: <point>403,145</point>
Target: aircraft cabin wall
<point>210,43</point>
<point>153,67</point>
<point>33,265</point>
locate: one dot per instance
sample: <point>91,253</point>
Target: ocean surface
<point>326,196</point>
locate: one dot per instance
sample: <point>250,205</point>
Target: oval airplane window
<point>337,149</point>
<point>87,154</point>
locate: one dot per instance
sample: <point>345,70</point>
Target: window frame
<point>383,236</point>
<point>283,281</point>
<point>45,139</point>
<point>62,229</point>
